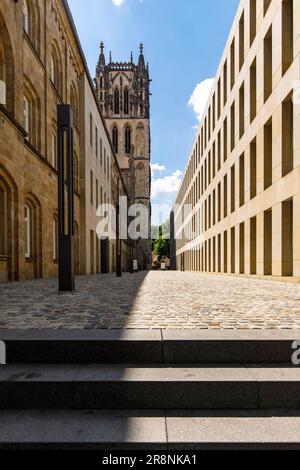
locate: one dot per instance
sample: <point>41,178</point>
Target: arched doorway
<point>33,237</point>
<point>8,228</point>
<point>104,255</point>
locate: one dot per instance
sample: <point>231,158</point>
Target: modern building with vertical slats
<point>238,208</point>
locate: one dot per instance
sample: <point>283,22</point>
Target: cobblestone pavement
<point>152,300</point>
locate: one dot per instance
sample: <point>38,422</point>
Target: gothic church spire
<point>102,56</point>
<point>141,64</point>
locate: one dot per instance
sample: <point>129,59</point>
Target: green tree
<point>161,245</point>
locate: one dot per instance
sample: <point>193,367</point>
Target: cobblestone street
<point>154,300</point>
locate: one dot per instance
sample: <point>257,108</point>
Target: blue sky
<point>184,41</point>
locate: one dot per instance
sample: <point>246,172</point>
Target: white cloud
<point>157,167</point>
<point>160,212</point>
<point>200,95</point>
<point>167,185</point>
<point>118,3</point>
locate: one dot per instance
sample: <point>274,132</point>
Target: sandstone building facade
<point>100,173</point>
<point>242,180</point>
<point>123,93</point>
<point>42,65</point>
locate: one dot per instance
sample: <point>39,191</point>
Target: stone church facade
<point>123,92</point>
<point>42,65</point>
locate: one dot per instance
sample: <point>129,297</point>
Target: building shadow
<point>37,311</point>
<point>99,301</point>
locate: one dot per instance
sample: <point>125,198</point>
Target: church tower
<point>123,91</point>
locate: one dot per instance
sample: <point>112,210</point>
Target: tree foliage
<point>161,244</point>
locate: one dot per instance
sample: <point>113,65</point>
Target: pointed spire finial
<point>131,57</point>
<point>141,63</point>
<point>101,62</point>
<point>110,57</point>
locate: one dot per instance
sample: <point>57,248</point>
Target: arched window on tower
<point>126,101</point>
<point>127,140</point>
<point>115,139</point>
<point>101,82</point>
<point>140,179</point>
<point>140,140</point>
<point>116,101</point>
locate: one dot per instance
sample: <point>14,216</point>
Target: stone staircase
<point>149,389</point>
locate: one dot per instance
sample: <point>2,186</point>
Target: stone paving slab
<point>154,300</point>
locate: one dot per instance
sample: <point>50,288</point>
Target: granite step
<point>152,430</point>
<point>119,387</point>
<point>149,346</point>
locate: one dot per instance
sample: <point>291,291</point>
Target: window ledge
<point>39,155</point>
<point>30,260</point>
<point>13,120</point>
